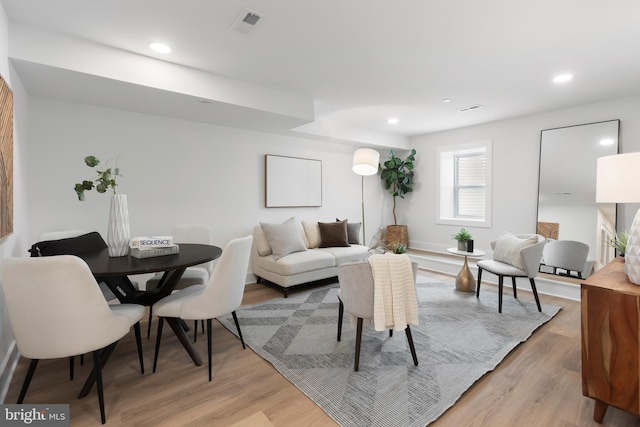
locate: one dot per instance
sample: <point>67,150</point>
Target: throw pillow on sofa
<point>353,232</point>
<point>507,249</point>
<point>333,234</point>
<point>284,238</point>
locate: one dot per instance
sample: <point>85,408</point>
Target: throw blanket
<point>394,298</point>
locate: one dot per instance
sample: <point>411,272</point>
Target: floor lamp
<point>617,182</point>
<point>365,163</point>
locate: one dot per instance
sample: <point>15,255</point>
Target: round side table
<point>465,282</point>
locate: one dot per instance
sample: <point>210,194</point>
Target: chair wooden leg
<point>340,317</point>
<point>195,330</point>
<point>235,319</point>
<point>149,324</point>
<point>71,366</point>
<point>411,346</point>
<point>209,327</point>
<point>97,369</point>
<point>513,283</point>
<point>479,280</point>
<point>356,363</point>
<point>535,293</point>
<point>159,334</point>
<point>27,379</point>
<point>136,329</point>
<point>500,286</point>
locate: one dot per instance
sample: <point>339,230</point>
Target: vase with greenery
<point>118,234</point>
<point>463,237</point>
<point>397,175</point>
<point>619,242</point>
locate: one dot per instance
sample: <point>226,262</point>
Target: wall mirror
<point>567,189</point>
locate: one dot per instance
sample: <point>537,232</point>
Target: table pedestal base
<point>465,282</point>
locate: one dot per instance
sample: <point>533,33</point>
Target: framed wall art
<point>292,182</point>
<point>6,159</point>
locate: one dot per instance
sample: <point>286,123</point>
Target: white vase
<point>632,252</point>
<point>118,231</point>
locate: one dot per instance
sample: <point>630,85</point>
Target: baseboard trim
<point>8,368</point>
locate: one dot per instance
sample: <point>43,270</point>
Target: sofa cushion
<point>333,234</point>
<point>507,249</point>
<point>297,262</point>
<point>353,232</point>
<point>344,254</point>
<point>312,231</point>
<point>262,246</point>
<point>284,238</point>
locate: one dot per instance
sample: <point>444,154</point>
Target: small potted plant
<point>619,242</point>
<point>465,240</point>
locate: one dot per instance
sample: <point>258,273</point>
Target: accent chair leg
<point>71,366</point>
<point>195,330</point>
<point>97,370</point>
<point>340,317</point>
<point>411,346</point>
<point>235,319</point>
<point>155,356</point>
<point>209,328</point>
<point>356,362</point>
<point>500,287</point>
<point>27,379</point>
<point>390,333</point>
<point>149,324</point>
<point>136,329</point>
<point>479,280</point>
<point>535,293</point>
<point>513,283</point>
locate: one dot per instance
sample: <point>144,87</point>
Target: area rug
<point>459,339</point>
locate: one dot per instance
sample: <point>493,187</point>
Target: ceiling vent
<point>246,21</point>
<point>469,108</point>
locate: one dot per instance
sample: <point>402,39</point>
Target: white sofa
<point>310,264</point>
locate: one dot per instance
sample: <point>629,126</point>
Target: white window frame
<point>446,176</point>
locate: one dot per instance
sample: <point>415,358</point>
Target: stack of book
<point>152,246</point>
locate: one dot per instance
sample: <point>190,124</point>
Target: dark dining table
<point>115,272</point>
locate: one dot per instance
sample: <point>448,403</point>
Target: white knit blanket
<point>394,299</point>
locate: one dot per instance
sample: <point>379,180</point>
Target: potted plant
<point>118,227</point>
<point>465,240</point>
<point>397,175</point>
<point>619,242</point>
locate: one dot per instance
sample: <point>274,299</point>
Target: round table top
<point>476,253</point>
<point>102,265</point>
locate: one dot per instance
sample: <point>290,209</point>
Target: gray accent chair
<point>356,298</point>
<point>56,310</point>
<point>530,256</point>
<point>568,255</point>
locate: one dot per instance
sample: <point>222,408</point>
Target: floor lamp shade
<point>618,181</point>
<point>365,161</point>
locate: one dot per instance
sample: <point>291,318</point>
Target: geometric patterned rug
<point>459,339</point>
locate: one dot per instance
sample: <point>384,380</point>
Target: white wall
<point>174,171</point>
<point>15,243</point>
<point>516,152</point>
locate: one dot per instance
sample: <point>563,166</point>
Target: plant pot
<point>397,234</point>
<point>118,229</point>
<point>462,245</point>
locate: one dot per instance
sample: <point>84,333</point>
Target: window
<point>465,184</point>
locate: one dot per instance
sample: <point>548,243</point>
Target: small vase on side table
<point>118,235</point>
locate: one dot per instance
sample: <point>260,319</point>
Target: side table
<point>465,282</point>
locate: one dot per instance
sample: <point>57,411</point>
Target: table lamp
<point>365,163</point>
<point>618,181</point>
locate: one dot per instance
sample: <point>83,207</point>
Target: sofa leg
<point>285,292</point>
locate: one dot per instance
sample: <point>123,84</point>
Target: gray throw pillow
<point>333,234</point>
<point>507,249</point>
<point>353,232</point>
<point>284,238</point>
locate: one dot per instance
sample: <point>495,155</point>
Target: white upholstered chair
<point>194,275</point>
<point>514,256</point>
<point>567,255</point>
<point>356,297</point>
<point>221,295</point>
<point>56,310</point>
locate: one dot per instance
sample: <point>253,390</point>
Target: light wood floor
<point>538,384</point>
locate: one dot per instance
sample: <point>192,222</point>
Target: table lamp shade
<point>365,161</point>
<point>618,181</point>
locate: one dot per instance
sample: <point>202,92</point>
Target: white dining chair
<point>221,295</point>
<point>195,275</point>
<point>56,310</point>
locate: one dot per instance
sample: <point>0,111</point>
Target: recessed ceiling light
<point>159,47</point>
<point>393,120</point>
<point>606,141</point>
<point>562,78</point>
<point>446,100</point>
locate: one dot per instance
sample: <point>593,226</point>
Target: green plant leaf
<point>91,161</point>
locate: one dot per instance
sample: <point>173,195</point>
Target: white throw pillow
<point>284,238</point>
<point>507,249</point>
<point>312,230</point>
<point>261,242</point>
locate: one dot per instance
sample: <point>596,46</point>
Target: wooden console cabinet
<point>610,311</point>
